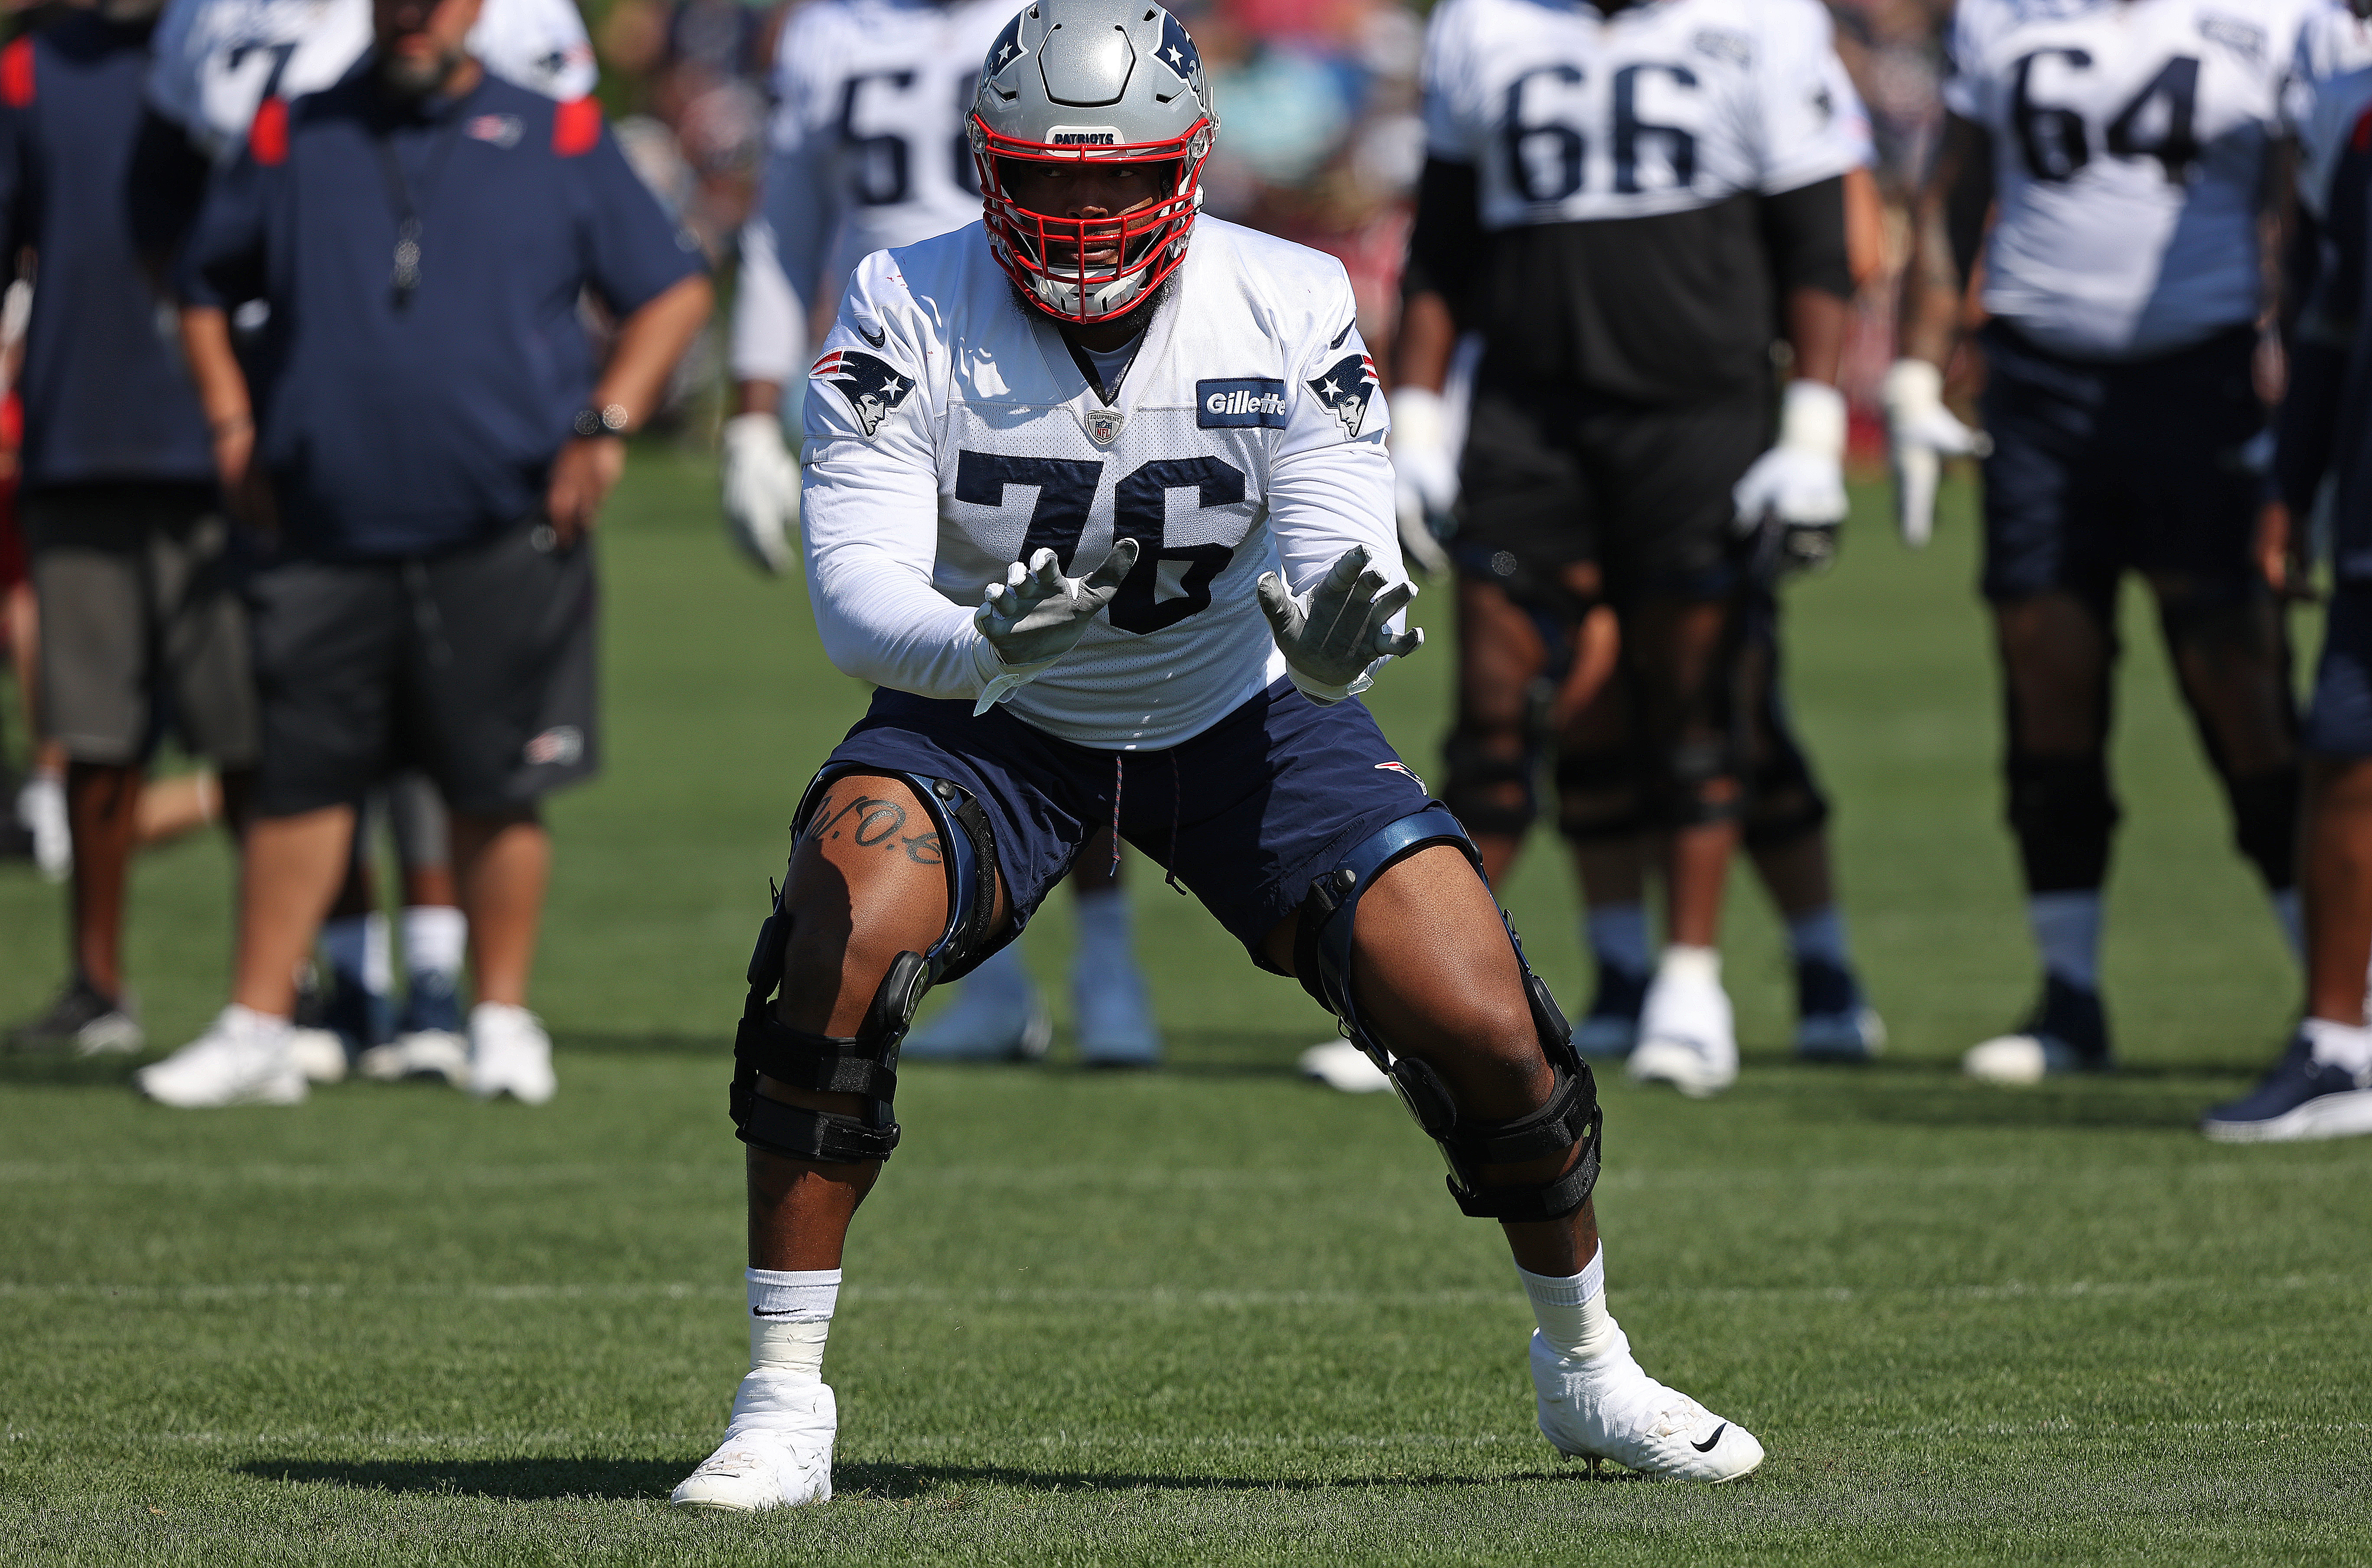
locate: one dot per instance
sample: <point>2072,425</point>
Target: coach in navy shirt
<point>129,545</point>
<point>428,434</point>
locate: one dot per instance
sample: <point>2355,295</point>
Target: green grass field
<point>1211,1314</point>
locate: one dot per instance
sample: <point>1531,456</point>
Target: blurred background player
<point>430,441</point>
<point>132,556</point>
<point>214,62</point>
<point>2125,154</point>
<point>868,151</point>
<point>2321,1088</point>
<point>1622,205</point>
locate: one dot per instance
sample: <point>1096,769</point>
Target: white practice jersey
<point>867,152</point>
<point>949,433</point>
<point>2131,145</point>
<point>2329,88</point>
<point>216,60</point>
<point>1569,116</point>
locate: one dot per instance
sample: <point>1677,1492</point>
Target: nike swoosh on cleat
<point>1707,1446</point>
<point>876,338</point>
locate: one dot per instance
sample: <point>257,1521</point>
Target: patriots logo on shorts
<point>1345,389</point>
<point>1401,767</point>
<point>871,385</point>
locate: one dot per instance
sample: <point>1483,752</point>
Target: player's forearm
<point>213,368</point>
<point>1427,337</point>
<point>757,397</point>
<point>1324,502</point>
<point>880,623</point>
<point>649,342</point>
<point>1947,221</point>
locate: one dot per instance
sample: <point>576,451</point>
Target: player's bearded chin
<point>414,76</point>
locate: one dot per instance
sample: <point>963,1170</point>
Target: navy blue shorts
<point>2101,467</point>
<point>1246,814</point>
<point>2339,721</point>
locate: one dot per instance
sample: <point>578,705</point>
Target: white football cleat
<point>1339,1064</point>
<point>1686,1035</point>
<point>1608,1408</point>
<point>776,1453</point>
<point>997,1016</point>
<point>319,1055</point>
<point>242,1060</point>
<point>509,1054</point>
<point>422,1053</point>
<point>1114,1017</point>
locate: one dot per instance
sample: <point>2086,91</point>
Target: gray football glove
<point>1332,642</point>
<point>1037,615</point>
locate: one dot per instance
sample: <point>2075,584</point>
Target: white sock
<point>790,1313</point>
<point>1571,1311</point>
<point>1000,975</point>
<point>436,938</point>
<point>1818,936</point>
<point>2291,916</point>
<point>1106,940</point>
<point>2067,930</point>
<point>1617,937</point>
<point>1697,965</point>
<point>357,948</point>
<point>2347,1047</point>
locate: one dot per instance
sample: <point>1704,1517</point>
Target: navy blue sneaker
<point>2300,1099</point>
<point>1611,1026</point>
<point>2067,1032</point>
<point>1833,1021</point>
<point>430,1005</point>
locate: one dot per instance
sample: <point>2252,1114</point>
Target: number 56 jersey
<point>2131,140</point>
<point>950,432</point>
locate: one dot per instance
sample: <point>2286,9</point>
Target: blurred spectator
<point>429,439</point>
<point>131,557</point>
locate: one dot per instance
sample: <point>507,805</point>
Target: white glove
<point>1424,471</point>
<point>1920,433</point>
<point>1333,640</point>
<point>1801,480</point>
<point>761,486</point>
<point>1037,615</point>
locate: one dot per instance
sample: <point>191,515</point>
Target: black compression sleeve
<point>1804,231</point>
<point>1445,241</point>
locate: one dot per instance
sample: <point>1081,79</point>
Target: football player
<point>1623,200</point>
<point>868,151</point>
<point>2321,1088</point>
<point>1159,442</point>
<point>2124,149</point>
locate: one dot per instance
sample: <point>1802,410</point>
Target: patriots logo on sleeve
<point>872,387</point>
<point>1346,389</point>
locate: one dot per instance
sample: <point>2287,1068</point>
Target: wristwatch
<point>608,420</point>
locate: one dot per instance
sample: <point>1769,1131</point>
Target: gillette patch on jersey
<point>871,387</point>
<point>1345,390</point>
<point>1251,399</point>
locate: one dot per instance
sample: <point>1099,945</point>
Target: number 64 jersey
<point>950,432</point>
<point>2131,140</point>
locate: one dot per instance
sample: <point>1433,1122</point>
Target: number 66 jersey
<point>2130,140</point>
<point>950,432</point>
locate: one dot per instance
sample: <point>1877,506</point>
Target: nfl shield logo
<point>1103,427</point>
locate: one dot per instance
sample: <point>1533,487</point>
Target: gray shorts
<point>141,627</point>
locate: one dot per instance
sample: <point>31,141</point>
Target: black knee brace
<point>1783,799</point>
<point>1572,1115</point>
<point>2265,809</point>
<point>2063,814</point>
<point>1472,778</point>
<point>1593,775</point>
<point>865,1063</point>
<point>1695,769</point>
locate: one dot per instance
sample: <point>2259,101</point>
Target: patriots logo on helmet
<point>871,387</point>
<point>1346,389</point>
<point>1006,50</point>
<point>1178,53</point>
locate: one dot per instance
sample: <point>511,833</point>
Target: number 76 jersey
<point>2130,140</point>
<point>950,432</point>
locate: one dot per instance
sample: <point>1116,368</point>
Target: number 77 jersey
<point>2130,140</point>
<point>950,432</point>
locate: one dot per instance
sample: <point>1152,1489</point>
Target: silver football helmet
<point>1077,81</point>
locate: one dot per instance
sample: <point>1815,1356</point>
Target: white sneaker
<point>509,1054</point>
<point>1339,1064</point>
<point>319,1055</point>
<point>422,1053</point>
<point>41,811</point>
<point>242,1060</point>
<point>776,1453</point>
<point>1686,1036</point>
<point>1606,1407</point>
<point>1115,1017</point>
<point>993,1019</point>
